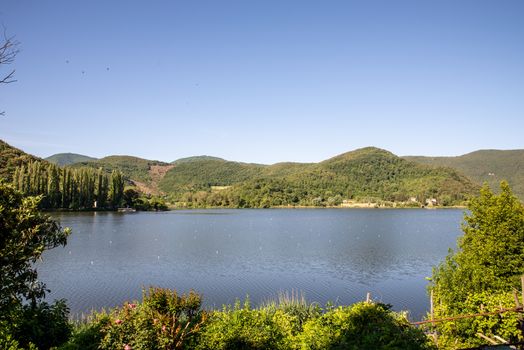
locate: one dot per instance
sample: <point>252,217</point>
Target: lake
<point>333,255</point>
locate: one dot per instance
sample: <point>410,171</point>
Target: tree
<point>25,234</point>
<point>130,196</point>
<point>116,188</point>
<point>485,268</point>
<point>8,52</point>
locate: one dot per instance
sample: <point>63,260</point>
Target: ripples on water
<point>329,254</point>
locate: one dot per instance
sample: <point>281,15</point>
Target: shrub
<point>463,333</point>
<point>43,325</point>
<point>241,327</point>
<point>362,326</point>
<point>164,320</point>
<point>87,334</point>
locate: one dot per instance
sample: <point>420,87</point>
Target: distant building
<point>431,202</point>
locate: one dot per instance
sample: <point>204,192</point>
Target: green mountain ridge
<point>366,174</point>
<point>62,159</point>
<point>485,166</point>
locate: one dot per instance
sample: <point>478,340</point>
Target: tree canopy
<point>485,268</point>
<point>25,234</point>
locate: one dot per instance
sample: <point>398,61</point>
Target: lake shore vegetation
<point>166,320</point>
<point>483,273</point>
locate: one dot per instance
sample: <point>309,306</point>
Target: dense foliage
<point>201,174</point>
<point>165,320</point>
<point>486,166</point>
<point>11,158</point>
<point>25,234</point>
<point>484,270</point>
<point>69,188</point>
<point>139,201</point>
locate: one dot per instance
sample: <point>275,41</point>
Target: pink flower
<point>128,347</point>
<point>131,306</point>
<point>163,328</point>
<point>118,321</point>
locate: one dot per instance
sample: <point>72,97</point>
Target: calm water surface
<point>328,254</point>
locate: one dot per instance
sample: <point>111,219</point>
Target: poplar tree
<point>116,190</point>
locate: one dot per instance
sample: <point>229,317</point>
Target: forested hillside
<point>11,158</point>
<point>201,174</point>
<point>368,175</point>
<point>490,166</point>
<point>133,168</point>
<point>67,188</point>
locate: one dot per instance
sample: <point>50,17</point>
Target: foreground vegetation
<point>165,320</point>
<point>24,235</point>
<point>482,274</point>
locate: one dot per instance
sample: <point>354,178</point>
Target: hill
<point>368,174</point>
<point>491,166</point>
<point>10,158</point>
<point>62,159</point>
<point>201,174</point>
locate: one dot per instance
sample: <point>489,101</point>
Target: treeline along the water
<point>70,188</point>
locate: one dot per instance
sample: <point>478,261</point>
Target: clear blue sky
<point>264,81</point>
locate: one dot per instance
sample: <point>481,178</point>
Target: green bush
<point>241,327</point>
<point>7,341</point>
<point>302,326</point>
<point>164,320</point>
<point>463,333</point>
<point>87,334</point>
<point>37,325</point>
<point>362,326</point>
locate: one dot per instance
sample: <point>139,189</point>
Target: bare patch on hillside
<point>157,173</point>
<point>145,188</point>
